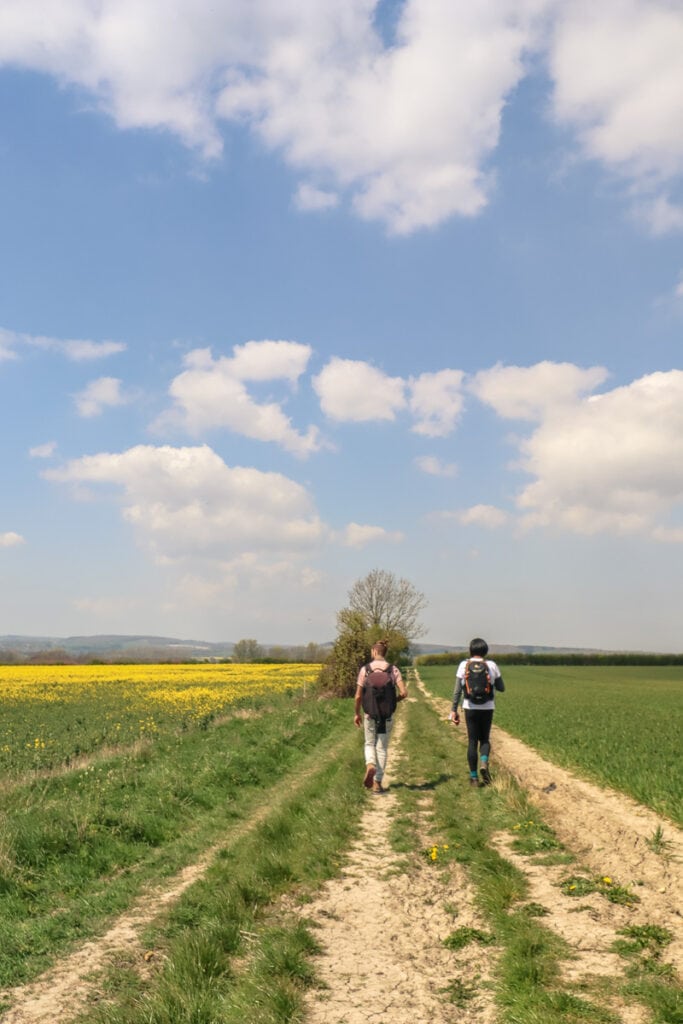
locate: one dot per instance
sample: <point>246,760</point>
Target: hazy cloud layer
<point>357,535</point>
<point>10,539</point>
<point>406,129</point>
<point>434,466</point>
<point>43,451</point>
<point>77,351</point>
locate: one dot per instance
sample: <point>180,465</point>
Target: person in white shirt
<point>476,681</point>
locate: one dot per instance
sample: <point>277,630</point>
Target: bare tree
<point>393,605</point>
<point>246,650</point>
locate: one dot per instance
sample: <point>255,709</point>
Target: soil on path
<point>381,929</point>
<point>383,955</point>
<point>610,836</point>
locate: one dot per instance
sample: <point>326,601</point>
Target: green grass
<point>229,950</point>
<point>528,955</point>
<point>236,946</point>
<point>77,848</point>
<point>619,725</point>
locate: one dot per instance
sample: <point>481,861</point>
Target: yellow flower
<point>607,880</point>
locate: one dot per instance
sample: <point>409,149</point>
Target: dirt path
<point>382,928</point>
<point>611,835</point>
<point>382,932</point>
<point>63,991</point>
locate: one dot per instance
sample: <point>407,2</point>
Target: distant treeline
<point>310,653</point>
<point>522,658</point>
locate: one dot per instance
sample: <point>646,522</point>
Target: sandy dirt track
<point>402,978</point>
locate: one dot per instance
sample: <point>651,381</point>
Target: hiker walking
<point>476,680</point>
<point>379,688</point>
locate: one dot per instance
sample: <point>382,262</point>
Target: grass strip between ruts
<point>529,988</point>
<point>229,950</point>
<point>77,849</point>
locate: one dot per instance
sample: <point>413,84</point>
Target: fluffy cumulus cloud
<point>406,127</point>
<point>618,81</point>
<point>436,402</point>
<point>10,539</point>
<point>611,461</point>
<point>186,503</point>
<point>98,395</point>
<point>353,391</point>
<point>532,392</point>
<point>212,394</point>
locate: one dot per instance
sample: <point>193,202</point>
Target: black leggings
<point>478,732</point>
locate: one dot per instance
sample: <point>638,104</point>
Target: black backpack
<point>379,693</point>
<point>478,682</point>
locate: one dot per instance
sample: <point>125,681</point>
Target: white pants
<point>377,745</point>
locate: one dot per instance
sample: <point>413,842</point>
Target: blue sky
<point>292,291</point>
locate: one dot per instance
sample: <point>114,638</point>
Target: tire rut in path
<point>381,930</point>
<point>609,833</point>
<point>64,990</point>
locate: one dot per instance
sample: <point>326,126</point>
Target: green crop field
<point>619,725</point>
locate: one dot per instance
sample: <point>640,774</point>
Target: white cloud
<point>76,351</point>
<point>269,360</point>
<point>85,351</point>
<point>7,345</point>
<point>436,402</point>
<point>11,539</point>
<point>315,199</point>
<point>406,128</point>
<point>186,503</point>
<point>43,451</point>
<point>434,466</point>
<point>483,515</point>
<point>612,461</point>
<point>353,391</point>
<point>618,80</point>
<point>357,535</point>
<point>679,287</point>
<point>98,395</point>
<point>210,394</point>
<point>531,392</point>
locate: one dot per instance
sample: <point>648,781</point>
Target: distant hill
<point>504,649</point>
<point>108,645</point>
<point>145,647</point>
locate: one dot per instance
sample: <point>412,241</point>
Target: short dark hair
<point>478,647</point>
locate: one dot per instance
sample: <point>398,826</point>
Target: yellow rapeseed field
<point>52,712</point>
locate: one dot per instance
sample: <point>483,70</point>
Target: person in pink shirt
<point>379,688</point>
